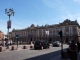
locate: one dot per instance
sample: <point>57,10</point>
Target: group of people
<point>73,50</point>
<point>6,43</point>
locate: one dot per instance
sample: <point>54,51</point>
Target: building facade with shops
<point>70,29</point>
<point>1,35</point>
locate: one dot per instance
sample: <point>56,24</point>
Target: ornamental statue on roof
<point>32,25</point>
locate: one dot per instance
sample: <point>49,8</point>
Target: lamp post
<point>60,35</point>
<point>31,35</point>
<point>17,40</point>
<point>9,13</point>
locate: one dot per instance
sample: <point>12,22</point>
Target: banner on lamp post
<point>8,24</point>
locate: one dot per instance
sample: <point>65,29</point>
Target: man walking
<point>7,43</point>
<point>78,44</point>
<point>73,50</point>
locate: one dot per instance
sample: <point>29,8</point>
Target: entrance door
<point>67,39</point>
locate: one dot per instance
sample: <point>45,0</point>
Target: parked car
<point>41,45</point>
<point>56,43</point>
<point>69,42</point>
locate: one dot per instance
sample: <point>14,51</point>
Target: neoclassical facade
<point>70,29</point>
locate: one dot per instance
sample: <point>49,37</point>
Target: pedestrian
<point>3,42</point>
<point>7,43</point>
<point>73,50</point>
<point>78,44</point>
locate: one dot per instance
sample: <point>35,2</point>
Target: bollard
<point>31,47</point>
<point>2,49</point>
<point>14,48</point>
<point>25,47</point>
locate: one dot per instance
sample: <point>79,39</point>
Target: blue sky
<point>38,12</point>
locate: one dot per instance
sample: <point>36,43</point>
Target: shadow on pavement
<point>49,56</point>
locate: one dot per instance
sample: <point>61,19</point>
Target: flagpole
<point>47,32</point>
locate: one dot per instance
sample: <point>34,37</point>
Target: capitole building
<point>70,29</point>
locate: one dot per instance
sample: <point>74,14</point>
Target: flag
<point>47,32</point>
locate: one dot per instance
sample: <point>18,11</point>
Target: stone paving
<point>21,48</point>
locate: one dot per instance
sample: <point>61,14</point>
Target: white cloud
<point>15,21</point>
<point>5,6</point>
<point>64,12</point>
<point>76,0</point>
<point>49,3</point>
<point>77,16</point>
<point>58,5</point>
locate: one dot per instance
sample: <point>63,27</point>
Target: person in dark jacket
<point>73,50</point>
<point>78,44</point>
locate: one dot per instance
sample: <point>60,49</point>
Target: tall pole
<point>8,28</point>
<point>17,43</point>
<point>60,33</point>
<point>61,48</point>
<point>9,13</point>
<point>47,32</point>
<point>17,40</point>
<point>8,34</point>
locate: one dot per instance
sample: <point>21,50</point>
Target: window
<point>50,32</point>
<point>74,30</point>
<point>53,32</point>
<point>43,32</point>
<point>40,32</point>
<point>67,30</point>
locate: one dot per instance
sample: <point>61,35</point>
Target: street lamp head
<point>13,13</point>
<point>12,9</point>
<point>5,10</point>
<point>9,12</point>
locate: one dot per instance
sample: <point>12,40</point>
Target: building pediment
<point>31,27</point>
<point>69,22</point>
